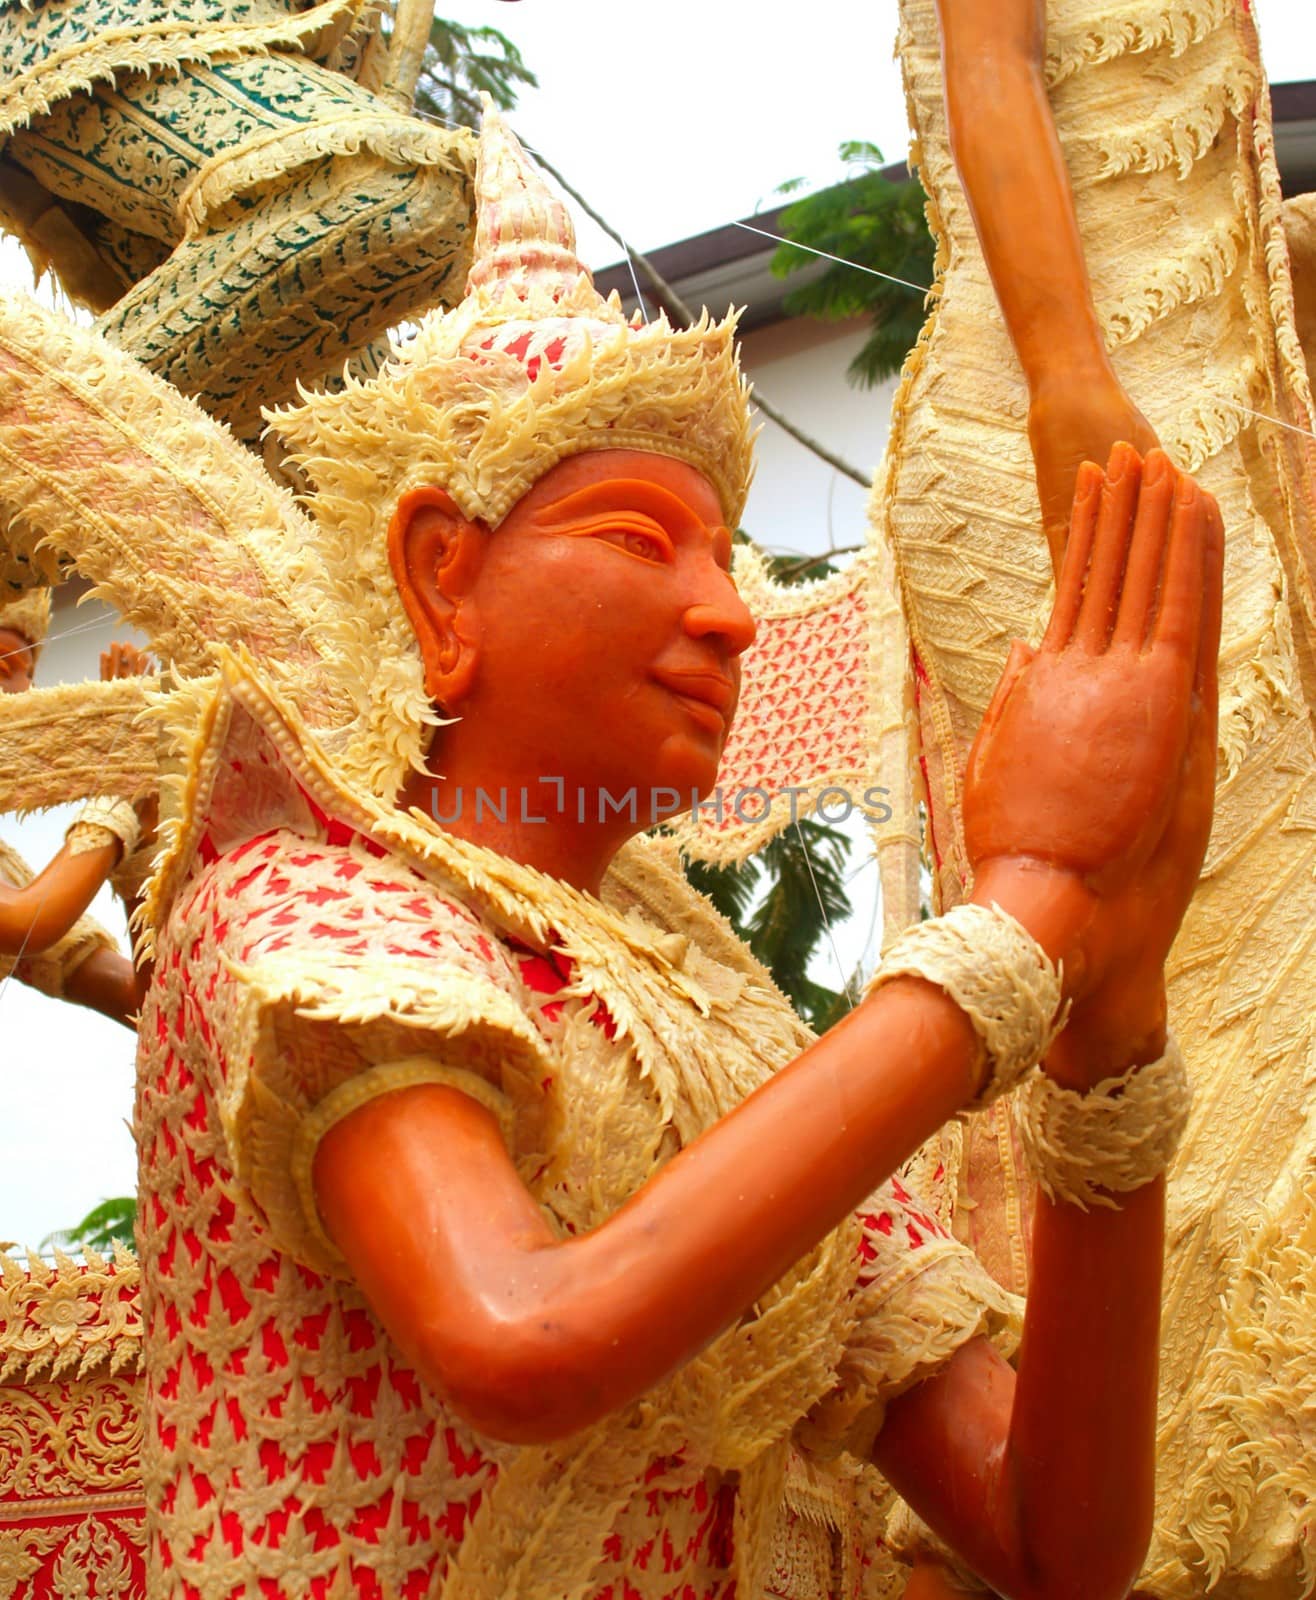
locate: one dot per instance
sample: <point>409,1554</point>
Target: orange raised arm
<point>40,913</point>
<point>1009,160</point>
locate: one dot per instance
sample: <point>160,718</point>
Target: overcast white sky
<point>682,118</point>
<point>693,113</point>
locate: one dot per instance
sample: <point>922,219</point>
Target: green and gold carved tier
<point>212,180</point>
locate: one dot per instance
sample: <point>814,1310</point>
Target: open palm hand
<point>1097,754</point>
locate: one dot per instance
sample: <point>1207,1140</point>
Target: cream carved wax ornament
<point>71,1503</point>
<point>237,187</point>
<point>1163,117</point>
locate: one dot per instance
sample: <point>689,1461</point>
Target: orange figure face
<point>594,636</point>
<point>17,662</point>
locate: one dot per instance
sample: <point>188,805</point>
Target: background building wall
<point>797,501</point>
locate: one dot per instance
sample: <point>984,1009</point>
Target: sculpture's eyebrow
<point>636,497</point>
<point>619,494</point>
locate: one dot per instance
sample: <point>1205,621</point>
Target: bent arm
<point>106,982</point>
<point>531,1337</point>
<point>40,913</point>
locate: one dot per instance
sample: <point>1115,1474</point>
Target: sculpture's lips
<point>708,688</point>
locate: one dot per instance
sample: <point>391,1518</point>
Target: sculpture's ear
<point>436,554</point>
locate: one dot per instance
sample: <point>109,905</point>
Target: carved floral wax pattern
<point>1162,115</point>
<point>285,1431</point>
<point>71,1500</point>
<point>801,722</point>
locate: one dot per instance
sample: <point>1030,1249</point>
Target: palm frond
<point>105,1223</point>
<point>463,62</point>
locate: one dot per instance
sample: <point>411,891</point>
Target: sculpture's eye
<point>640,542</point>
<point>643,544</point>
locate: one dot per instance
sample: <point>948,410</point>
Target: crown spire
<point>525,267</point>
<point>525,244</point>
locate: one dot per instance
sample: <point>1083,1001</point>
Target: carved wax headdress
<point>533,366</point>
<point>27,612</point>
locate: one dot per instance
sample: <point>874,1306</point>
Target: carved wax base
<point>71,1503</point>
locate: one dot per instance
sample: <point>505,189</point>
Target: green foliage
<point>98,1230</point>
<point>461,62</point>
<point>875,223</point>
<point>781,902</point>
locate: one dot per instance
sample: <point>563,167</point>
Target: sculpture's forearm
<point>106,982</point>
<point>1043,1483</point>
<point>531,1337</point>
<point>39,915</point>
<point>1010,163</point>
<point>1080,1466</point>
<point>1013,171</point>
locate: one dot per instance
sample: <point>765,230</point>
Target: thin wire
<point>763,233</point>
<point>445,122</point>
<point>1262,416</point>
<point>872,951</point>
<point>867,863</point>
<point>109,623</point>
<point>630,262</point>
<point>921,288</point>
<point>860,868</point>
<point>827,921</point>
<point>429,116</point>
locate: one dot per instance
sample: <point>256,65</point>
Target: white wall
<point>797,501</point>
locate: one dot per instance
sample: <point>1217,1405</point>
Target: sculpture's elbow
<point>1091,1568</point>
<point>28,928</point>
<point>523,1379</point>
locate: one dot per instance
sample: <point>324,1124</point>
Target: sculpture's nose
<point>719,610</point>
